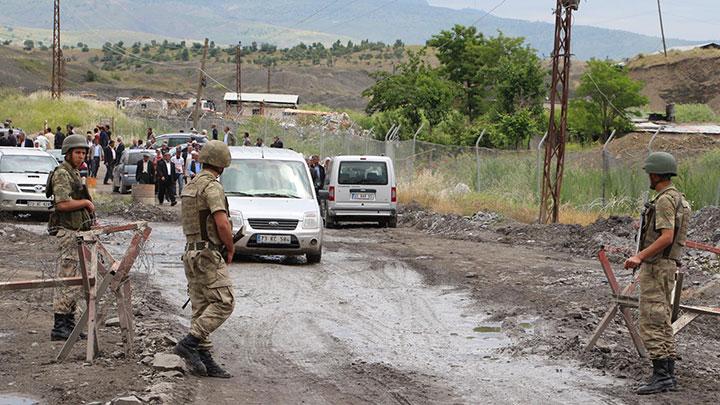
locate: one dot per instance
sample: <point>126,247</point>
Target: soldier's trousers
<point>656,284</point>
<point>210,290</point>
<point>65,298</point>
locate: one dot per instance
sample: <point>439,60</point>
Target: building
<point>263,104</point>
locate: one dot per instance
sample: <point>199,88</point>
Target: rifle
<point>223,251</point>
<point>639,237</point>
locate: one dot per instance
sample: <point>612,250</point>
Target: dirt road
<point>366,326</point>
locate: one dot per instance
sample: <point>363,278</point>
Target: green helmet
<point>660,163</point>
<point>215,153</point>
<point>72,142</point>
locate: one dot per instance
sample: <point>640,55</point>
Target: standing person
<point>207,227</point>
<point>166,180</point>
<point>42,141</point>
<point>73,213</point>
<point>104,137</point>
<point>150,135</point>
<point>23,142</point>
<point>97,155</point>
<point>229,138</point>
<point>214,132</point>
<point>661,246</point>
<point>119,150</point>
<point>317,172</point>
<point>59,138</point>
<point>277,143</point>
<point>110,159</point>
<point>179,163</point>
<point>145,171</point>
<point>194,166</point>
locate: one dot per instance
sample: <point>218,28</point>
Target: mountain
<point>287,22</point>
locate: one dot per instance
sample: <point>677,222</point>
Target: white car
<point>271,195</point>
<point>361,189</point>
<point>23,175</point>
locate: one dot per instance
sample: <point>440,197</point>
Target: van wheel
<point>123,190</point>
<point>330,221</point>
<point>392,222</point>
<point>314,258</point>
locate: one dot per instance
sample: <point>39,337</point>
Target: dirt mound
<point>448,225</point>
<point>705,225</point>
<point>632,148</point>
<point>150,213</point>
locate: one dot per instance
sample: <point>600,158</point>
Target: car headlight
<point>9,186</point>
<point>237,219</point>
<point>311,220</point>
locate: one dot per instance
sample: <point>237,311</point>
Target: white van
<point>270,193</point>
<point>361,189</point>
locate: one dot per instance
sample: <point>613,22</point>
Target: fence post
<point>477,160</point>
<point>412,161</point>
<point>606,165</point>
<point>538,168</point>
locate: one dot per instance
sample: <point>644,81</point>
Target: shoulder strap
<point>49,183</point>
<point>676,229</point>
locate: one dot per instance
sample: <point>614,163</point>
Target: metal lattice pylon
<point>57,70</point>
<point>557,129</point>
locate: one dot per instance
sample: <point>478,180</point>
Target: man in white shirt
<point>42,141</point>
<point>179,163</point>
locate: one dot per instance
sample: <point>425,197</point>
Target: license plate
<point>363,196</point>
<point>273,239</point>
<point>38,203</point>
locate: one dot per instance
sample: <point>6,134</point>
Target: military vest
<point>78,220</point>
<point>198,224</point>
<point>682,216</point>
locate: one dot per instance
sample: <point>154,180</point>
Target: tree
<point>605,94</point>
<point>28,45</point>
<point>90,76</point>
<point>515,129</point>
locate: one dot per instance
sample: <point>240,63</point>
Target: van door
<point>363,183</point>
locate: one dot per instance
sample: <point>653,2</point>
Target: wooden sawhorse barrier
<point>622,301</point>
<point>112,274</point>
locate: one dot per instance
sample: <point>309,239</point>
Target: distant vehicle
<point>124,172</point>
<point>361,189</point>
<point>271,195</point>
<point>178,139</point>
<point>57,154</point>
<point>23,175</point>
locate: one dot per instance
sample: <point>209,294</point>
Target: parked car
<point>23,175</point>
<point>57,154</point>
<point>361,189</point>
<point>124,172</point>
<point>178,139</point>
<point>271,195</point>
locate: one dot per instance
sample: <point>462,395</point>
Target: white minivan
<point>271,194</point>
<point>361,189</point>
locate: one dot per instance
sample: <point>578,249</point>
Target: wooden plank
<point>91,308</point>
<point>129,347</point>
<point>46,283</point>
<point>130,255</point>
<point>702,246</point>
<point>604,322</point>
<point>701,310</point>
<point>83,269</point>
<point>609,273</point>
<point>683,321</point>
<point>634,335</point>
<point>676,294</point>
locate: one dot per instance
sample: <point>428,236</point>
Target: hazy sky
<point>686,19</point>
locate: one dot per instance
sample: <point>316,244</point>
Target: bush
<point>90,76</point>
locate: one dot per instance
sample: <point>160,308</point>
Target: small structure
<point>707,45</point>
<point>262,104</point>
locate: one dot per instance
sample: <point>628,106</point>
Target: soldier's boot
<point>671,371</point>
<point>661,380</point>
<point>70,322</point>
<point>187,348</point>
<point>60,329</point>
<point>213,369</point>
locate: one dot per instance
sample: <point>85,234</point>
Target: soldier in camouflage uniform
<point>73,213</point>
<point>207,228</point>
<point>661,244</point>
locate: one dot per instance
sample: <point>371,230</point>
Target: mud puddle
<point>15,399</point>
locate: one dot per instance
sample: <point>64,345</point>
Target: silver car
<point>124,171</point>
<point>23,175</point>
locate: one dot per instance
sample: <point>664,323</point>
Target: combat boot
<point>70,322</point>
<point>187,348</point>
<point>671,371</point>
<point>60,329</point>
<point>213,369</point>
<point>661,380</point>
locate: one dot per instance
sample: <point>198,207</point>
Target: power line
<point>320,10</point>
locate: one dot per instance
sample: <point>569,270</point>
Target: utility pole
<point>662,29</point>
<point>238,75</point>
<point>56,80</point>
<point>268,79</point>
<point>201,86</point>
<point>557,129</point>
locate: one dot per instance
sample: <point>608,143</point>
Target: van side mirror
<point>323,195</point>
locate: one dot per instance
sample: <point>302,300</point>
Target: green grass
<point>695,113</point>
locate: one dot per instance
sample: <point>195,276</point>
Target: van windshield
<point>27,164</point>
<point>267,179</point>
<point>363,173</point>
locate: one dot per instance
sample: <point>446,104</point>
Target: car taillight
<point>393,194</point>
<point>331,193</point>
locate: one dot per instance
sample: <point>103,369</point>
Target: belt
<point>201,246</point>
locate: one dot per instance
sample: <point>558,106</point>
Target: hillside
<point>287,22</point>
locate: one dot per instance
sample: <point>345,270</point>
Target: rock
<point>167,361</point>
<point>33,332</point>
<point>170,374</point>
<point>118,354</point>
<point>169,340</point>
<point>113,322</point>
<point>147,360</point>
<point>34,344</point>
<point>129,400</point>
<point>471,275</point>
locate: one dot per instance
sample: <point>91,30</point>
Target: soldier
<point>207,227</point>
<point>74,211</point>
<point>661,244</point>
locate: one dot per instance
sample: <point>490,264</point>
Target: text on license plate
<point>363,196</point>
<point>38,203</point>
<point>273,239</point>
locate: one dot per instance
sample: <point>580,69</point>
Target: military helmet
<point>660,163</point>
<point>72,142</point>
<point>215,153</point>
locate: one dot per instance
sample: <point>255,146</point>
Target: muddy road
<point>370,324</point>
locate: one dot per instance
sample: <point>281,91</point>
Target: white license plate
<point>38,204</point>
<point>273,239</point>
<point>363,196</point>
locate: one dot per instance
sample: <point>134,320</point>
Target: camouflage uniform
<point>66,186</point>
<point>669,210</point>
<point>209,285</point>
